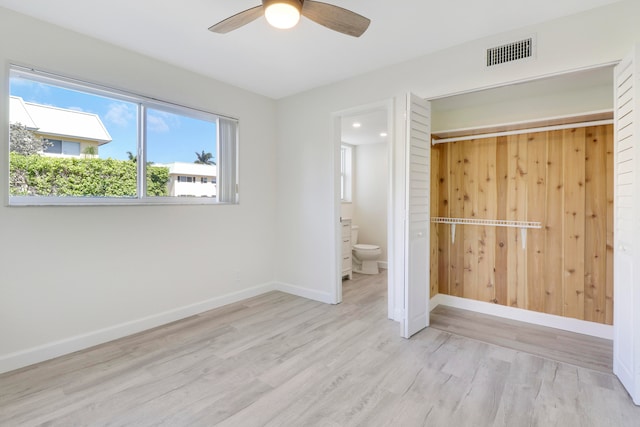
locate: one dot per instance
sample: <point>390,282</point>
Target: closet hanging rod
<point>522,131</point>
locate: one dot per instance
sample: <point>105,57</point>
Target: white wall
<point>370,190</point>
<point>74,276</point>
<point>305,181</point>
<point>524,106</point>
<point>346,210</point>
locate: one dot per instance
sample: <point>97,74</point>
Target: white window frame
<point>346,173</point>
<point>226,142</point>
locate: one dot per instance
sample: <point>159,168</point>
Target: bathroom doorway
<point>363,159</point>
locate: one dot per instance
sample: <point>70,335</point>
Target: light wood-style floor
<point>280,360</point>
<point>554,344</point>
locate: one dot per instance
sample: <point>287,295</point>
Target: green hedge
<point>36,175</point>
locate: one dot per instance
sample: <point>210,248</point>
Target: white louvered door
<point>417,220</point>
<point>626,347</point>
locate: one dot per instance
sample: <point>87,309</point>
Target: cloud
<point>120,114</point>
<point>162,121</point>
<point>33,85</point>
<point>157,124</point>
<point>31,91</point>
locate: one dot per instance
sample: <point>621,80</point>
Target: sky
<point>170,137</point>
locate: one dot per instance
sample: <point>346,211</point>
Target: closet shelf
<point>489,222</point>
<point>522,225</point>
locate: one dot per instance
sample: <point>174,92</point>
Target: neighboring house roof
<point>61,122</point>
<point>181,168</point>
<point>19,114</point>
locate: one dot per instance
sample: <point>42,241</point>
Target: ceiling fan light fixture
<point>286,14</point>
<point>282,14</point>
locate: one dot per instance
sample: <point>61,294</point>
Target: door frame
<point>392,263</point>
<point>395,207</point>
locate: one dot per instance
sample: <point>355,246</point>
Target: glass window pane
<point>181,155</point>
<point>70,148</point>
<point>92,159</point>
<point>54,146</point>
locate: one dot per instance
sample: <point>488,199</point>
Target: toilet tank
<point>354,234</point>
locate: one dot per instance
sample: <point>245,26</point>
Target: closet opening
<point>522,198</point>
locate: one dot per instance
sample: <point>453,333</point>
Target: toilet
<point>365,257</point>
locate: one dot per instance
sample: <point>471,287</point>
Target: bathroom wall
<point>370,189</point>
<point>346,210</point>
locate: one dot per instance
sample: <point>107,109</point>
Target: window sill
<point>111,201</point>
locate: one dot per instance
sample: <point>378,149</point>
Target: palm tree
<point>90,152</point>
<point>132,158</point>
<point>204,158</point>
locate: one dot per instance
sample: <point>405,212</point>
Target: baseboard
<point>17,360</point>
<point>542,319</point>
<point>304,292</point>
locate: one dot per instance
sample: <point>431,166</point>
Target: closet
<point>533,202</point>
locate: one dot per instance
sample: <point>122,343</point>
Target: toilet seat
<point>364,247</point>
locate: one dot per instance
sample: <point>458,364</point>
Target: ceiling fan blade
<point>335,18</point>
<point>237,20</point>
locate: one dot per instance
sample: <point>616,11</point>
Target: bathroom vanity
<point>347,268</point>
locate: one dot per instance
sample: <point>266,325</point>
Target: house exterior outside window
<point>70,133</point>
<point>192,179</point>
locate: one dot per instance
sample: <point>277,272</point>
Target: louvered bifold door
<point>417,221</point>
<point>626,348</point>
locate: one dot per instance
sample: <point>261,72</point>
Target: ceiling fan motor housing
<point>295,3</point>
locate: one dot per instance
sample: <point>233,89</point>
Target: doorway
<point>363,178</point>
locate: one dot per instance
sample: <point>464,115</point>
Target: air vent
<point>510,52</point>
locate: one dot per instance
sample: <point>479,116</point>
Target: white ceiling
<point>372,124</point>
<point>278,63</point>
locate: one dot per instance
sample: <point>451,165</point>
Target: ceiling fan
<point>286,14</point>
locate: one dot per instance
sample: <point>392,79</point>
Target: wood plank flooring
<point>280,360</point>
<point>555,344</point>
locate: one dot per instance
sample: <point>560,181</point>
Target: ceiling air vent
<point>510,52</point>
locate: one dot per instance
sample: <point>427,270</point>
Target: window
<point>65,148</point>
<point>73,142</point>
<point>346,152</point>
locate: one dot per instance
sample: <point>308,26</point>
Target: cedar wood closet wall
<point>563,179</point>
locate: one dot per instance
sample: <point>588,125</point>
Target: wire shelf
<point>489,222</point>
<point>522,225</point>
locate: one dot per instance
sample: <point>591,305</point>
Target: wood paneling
<point>433,203</point>
<point>537,194</point>
<point>487,208</point>
<point>562,179</point>
<point>516,211</point>
<point>574,222</point>
<point>456,209</point>
<point>502,248</point>
<point>595,273</point>
<point>552,225</point>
